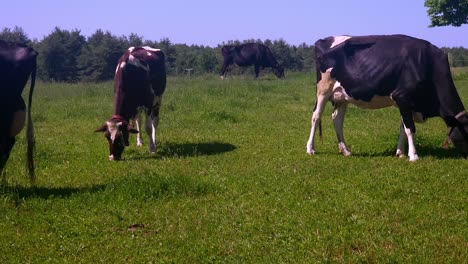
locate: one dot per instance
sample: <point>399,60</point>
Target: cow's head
<point>116,132</point>
<point>458,133</point>
<point>278,71</point>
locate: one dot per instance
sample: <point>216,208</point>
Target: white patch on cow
<point>131,49</point>
<point>113,128</point>
<point>340,96</point>
<point>149,54</point>
<point>150,48</point>
<point>413,156</point>
<point>139,127</point>
<point>136,62</point>
<point>121,66</point>
<point>18,123</point>
<point>338,40</point>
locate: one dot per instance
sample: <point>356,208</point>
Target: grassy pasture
<point>231,182</point>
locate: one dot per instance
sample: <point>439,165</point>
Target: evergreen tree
<point>134,40</point>
<point>16,35</point>
<point>100,56</point>
<point>170,52</point>
<point>59,52</point>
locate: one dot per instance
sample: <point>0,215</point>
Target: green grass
<point>231,182</point>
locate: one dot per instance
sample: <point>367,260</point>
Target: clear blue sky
<point>210,22</point>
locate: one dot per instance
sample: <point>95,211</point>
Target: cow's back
<point>140,77</point>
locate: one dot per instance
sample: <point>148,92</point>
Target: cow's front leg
<point>224,70</point>
<point>338,120</point>
<point>401,147</point>
<point>139,127</point>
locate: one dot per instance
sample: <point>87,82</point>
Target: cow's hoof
<point>413,157</point>
<point>346,153</point>
<point>399,154</point>
<point>344,150</point>
<point>311,152</point>
<point>139,144</point>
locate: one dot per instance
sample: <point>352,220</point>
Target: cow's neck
<point>119,107</point>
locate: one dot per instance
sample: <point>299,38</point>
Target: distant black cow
<point>17,63</point>
<point>139,83</point>
<point>248,54</point>
<point>379,71</point>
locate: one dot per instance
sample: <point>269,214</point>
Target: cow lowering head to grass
<point>391,70</point>
<point>248,54</point>
<point>17,63</point>
<point>139,83</point>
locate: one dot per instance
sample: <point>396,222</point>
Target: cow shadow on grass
<point>435,152</point>
<point>180,150</point>
<point>21,192</point>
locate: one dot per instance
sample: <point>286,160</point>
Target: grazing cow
<point>394,70</point>
<point>17,63</point>
<point>248,54</point>
<point>139,83</point>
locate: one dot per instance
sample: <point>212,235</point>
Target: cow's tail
<point>315,106</point>
<point>30,129</point>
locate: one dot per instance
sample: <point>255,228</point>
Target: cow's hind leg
<point>257,70</point>
<point>338,120</point>
<point>324,91</point>
<point>401,147</point>
<point>152,122</point>
<point>151,131</point>
<point>409,127</point>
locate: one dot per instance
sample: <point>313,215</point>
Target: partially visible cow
<point>248,54</point>
<point>139,83</point>
<point>17,63</point>
<point>391,70</point>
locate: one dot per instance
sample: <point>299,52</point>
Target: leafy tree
<point>100,55</point>
<point>16,35</point>
<point>206,61</point>
<point>458,56</point>
<point>447,12</point>
<point>282,52</point>
<point>59,52</point>
<point>185,58</point>
<point>305,56</point>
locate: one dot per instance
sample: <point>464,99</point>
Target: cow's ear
<point>103,128</point>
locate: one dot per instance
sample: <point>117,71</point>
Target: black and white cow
<point>248,54</point>
<point>390,70</point>
<point>17,63</point>
<point>139,83</point>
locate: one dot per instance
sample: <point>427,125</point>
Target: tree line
<point>68,56</point>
